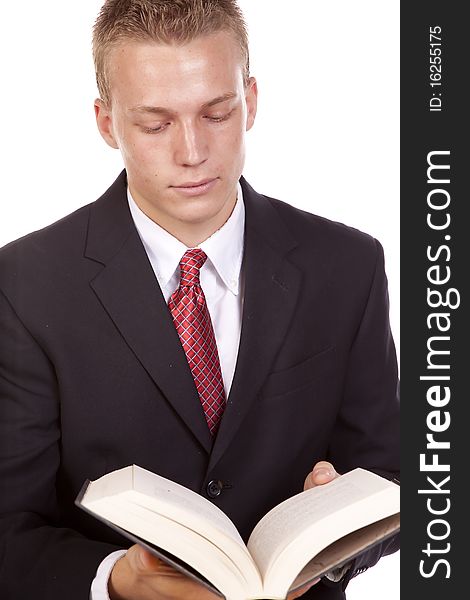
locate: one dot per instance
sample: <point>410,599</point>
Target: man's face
<point>179,115</point>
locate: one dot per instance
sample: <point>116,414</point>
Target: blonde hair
<point>166,22</point>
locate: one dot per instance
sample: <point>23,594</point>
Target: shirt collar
<point>224,248</point>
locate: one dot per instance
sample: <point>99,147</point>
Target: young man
<point>97,371</point>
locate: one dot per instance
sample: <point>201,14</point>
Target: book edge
<point>347,559</point>
<point>166,557</point>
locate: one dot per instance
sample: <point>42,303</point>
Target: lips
<point>195,188</point>
<point>194,184</point>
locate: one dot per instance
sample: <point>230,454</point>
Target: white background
<point>326,137</point>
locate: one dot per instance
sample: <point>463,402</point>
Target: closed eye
<point>217,118</point>
<point>155,129</point>
<point>212,119</point>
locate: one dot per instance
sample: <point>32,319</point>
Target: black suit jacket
<point>93,378</point>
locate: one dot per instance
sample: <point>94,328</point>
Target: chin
<point>197,216</point>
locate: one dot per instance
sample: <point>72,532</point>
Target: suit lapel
<point>130,294</point>
<point>272,285</point>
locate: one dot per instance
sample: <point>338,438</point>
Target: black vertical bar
<point>435,351</point>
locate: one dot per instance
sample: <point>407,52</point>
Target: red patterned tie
<point>193,323</point>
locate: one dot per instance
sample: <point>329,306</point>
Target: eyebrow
<point>167,111</point>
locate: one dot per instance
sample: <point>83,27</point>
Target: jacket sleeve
<point>38,558</point>
<point>366,432</point>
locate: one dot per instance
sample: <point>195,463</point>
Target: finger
<point>144,575</point>
<point>171,582</point>
<point>146,562</point>
<point>323,472</point>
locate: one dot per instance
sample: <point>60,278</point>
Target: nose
<point>191,145</point>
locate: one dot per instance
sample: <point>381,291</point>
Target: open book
<point>297,541</point>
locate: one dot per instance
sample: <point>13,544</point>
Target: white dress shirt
<point>222,282</point>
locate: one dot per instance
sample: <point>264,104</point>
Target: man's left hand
<point>323,472</point>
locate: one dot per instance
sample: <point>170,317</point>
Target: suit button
<point>214,488</point>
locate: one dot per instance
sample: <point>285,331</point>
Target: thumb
<point>323,472</point>
<point>146,560</point>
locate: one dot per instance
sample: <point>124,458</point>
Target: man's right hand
<point>139,575</point>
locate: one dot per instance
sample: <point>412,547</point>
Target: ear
<point>105,123</point>
<point>251,97</point>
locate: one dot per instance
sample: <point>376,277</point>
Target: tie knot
<point>190,265</point>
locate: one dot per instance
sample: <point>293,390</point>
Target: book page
<point>324,511</point>
<point>163,495</point>
<point>197,552</point>
<point>181,502</point>
<point>158,496</point>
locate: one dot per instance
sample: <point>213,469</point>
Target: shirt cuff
<point>99,585</point>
